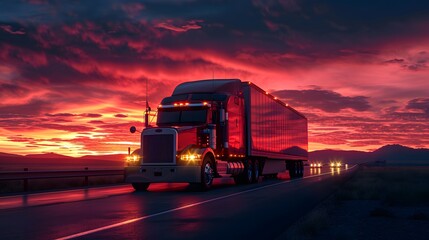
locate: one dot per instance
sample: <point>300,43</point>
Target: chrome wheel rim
<point>208,172</point>
<point>249,171</point>
<point>256,171</point>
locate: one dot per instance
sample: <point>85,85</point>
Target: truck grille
<point>159,149</point>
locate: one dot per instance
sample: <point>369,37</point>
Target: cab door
<point>235,109</point>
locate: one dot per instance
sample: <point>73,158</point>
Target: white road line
<point>80,234</point>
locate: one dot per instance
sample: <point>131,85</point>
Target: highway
<point>169,211</point>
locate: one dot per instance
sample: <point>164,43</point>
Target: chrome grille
<point>159,149</point>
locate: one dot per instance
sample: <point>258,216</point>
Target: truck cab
<point>202,132</point>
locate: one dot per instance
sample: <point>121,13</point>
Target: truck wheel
<point>139,187</point>
<point>296,169</point>
<point>255,176</point>
<point>301,169</point>
<point>292,167</point>
<point>207,173</point>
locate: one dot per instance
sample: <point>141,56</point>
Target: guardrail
<point>28,175</point>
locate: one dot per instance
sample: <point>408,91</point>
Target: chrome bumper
<point>151,174</point>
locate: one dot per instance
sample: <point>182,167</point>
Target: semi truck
<point>219,128</point>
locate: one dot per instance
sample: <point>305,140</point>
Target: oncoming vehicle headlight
<point>335,164</point>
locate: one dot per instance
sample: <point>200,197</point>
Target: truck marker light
<point>160,106</point>
<point>175,104</point>
<point>205,103</point>
<point>187,104</point>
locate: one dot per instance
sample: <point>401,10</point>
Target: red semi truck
<point>216,128</point>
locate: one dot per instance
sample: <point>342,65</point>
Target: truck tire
<point>300,169</point>
<point>255,176</point>
<point>293,169</point>
<point>140,187</point>
<point>207,173</point>
<point>296,169</point>
<point>246,176</point>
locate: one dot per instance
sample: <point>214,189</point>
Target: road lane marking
<point>80,234</point>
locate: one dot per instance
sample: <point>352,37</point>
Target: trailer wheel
<point>301,169</point>
<point>255,176</point>
<point>296,169</point>
<point>291,166</point>
<point>140,187</point>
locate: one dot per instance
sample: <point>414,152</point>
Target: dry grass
<point>396,186</point>
<point>394,190</point>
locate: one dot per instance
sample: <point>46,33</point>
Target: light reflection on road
<point>36,199</point>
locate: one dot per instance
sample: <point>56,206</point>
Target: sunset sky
<point>73,73</point>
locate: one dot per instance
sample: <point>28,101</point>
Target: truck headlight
<point>191,158</point>
<point>132,160</point>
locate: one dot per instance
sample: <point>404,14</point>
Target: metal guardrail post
<point>25,181</point>
<point>86,183</point>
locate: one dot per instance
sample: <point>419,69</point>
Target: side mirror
<point>133,129</point>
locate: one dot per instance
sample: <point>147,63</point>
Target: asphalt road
<point>169,211</point>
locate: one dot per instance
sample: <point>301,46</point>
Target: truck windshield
<point>181,116</point>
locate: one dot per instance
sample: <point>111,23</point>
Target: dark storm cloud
<point>26,110</point>
<point>12,90</point>
<point>88,115</point>
<point>328,101</point>
<point>414,62</point>
<point>419,104</point>
<point>125,34</point>
<point>119,115</point>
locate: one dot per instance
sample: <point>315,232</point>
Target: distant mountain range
<point>111,157</point>
<point>392,154</point>
<point>53,161</point>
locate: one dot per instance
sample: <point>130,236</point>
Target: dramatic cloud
<point>73,75</point>
<point>421,104</point>
<point>9,29</point>
<point>325,100</point>
<point>190,25</point>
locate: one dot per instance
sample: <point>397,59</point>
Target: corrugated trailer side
<point>274,130</point>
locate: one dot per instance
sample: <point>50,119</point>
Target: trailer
<point>219,128</point>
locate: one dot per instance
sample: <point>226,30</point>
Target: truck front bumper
<point>151,174</point>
